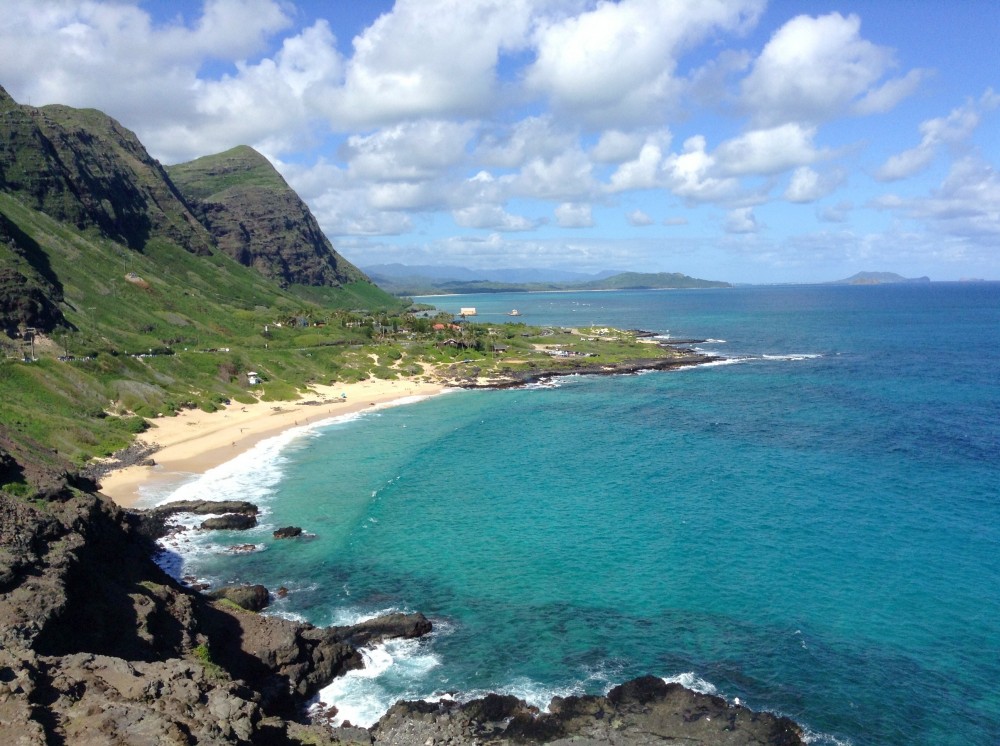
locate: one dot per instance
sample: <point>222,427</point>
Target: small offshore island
<point>203,301</point>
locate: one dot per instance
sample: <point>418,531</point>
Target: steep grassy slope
<point>147,333</point>
<point>121,301</point>
<point>82,167</point>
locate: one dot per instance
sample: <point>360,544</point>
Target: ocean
<point>810,526</point>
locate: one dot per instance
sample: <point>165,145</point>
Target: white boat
<point>514,312</point>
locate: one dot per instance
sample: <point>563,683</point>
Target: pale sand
<point>195,441</point>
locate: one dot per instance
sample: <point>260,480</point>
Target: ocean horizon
<point>809,526</point>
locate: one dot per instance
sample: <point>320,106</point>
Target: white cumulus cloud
<point>816,69</point>
<point>741,220</point>
<point>806,185</point>
<point>768,151</point>
<point>570,215</point>
<point>639,219</point>
<point>953,130</point>
<point>616,63</point>
<point>690,174</point>
<point>493,217</point>
<point>411,62</point>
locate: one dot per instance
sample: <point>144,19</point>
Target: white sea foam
<point>393,670</point>
<point>717,363</point>
<point>532,692</point>
<point>253,474</point>
<point>824,739</point>
<point>346,617</point>
<point>793,357</point>
<point>693,681</point>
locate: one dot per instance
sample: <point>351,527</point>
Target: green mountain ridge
<point>82,167</point>
<point>127,305</point>
<point>257,219</point>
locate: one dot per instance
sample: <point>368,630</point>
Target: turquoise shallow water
<point>812,528</point>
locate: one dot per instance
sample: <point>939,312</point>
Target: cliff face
<point>82,167</point>
<point>30,292</point>
<point>257,219</point>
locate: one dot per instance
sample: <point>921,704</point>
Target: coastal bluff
<point>99,645</point>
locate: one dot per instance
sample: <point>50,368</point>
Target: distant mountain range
<point>449,273</point>
<point>408,280</point>
<point>878,278</point>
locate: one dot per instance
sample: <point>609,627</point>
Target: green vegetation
<point>127,295</point>
<point>203,654</point>
<point>190,338</point>
<point>240,167</point>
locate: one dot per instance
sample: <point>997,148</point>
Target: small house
<point>253,379</point>
<point>467,312</point>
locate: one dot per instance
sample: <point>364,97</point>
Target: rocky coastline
<point>506,377</point>
<point>99,645</point>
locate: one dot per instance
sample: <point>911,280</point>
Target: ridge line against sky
<point>739,140</point>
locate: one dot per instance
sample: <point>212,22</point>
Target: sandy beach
<point>194,441</point>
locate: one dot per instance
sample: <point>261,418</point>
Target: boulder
<point>288,532</point>
<point>390,626</point>
<point>250,597</point>
<point>230,522</point>
<point>206,507</point>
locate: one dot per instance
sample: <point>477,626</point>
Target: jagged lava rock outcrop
<point>257,219</point>
<point>99,645</point>
<point>641,712</point>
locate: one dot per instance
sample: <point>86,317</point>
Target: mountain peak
<point>211,175</point>
<point>257,219</point>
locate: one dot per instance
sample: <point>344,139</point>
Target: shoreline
<point>194,441</point>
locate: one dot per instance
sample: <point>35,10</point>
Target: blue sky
<point>739,140</point>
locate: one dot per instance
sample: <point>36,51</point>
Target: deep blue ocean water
<point>812,528</point>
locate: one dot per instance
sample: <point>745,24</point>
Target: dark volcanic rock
<point>386,627</point>
<point>155,522</point>
<point>250,597</point>
<point>206,507</point>
<point>288,532</point>
<point>642,712</point>
<point>30,292</point>
<point>230,522</point>
<point>98,645</point>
